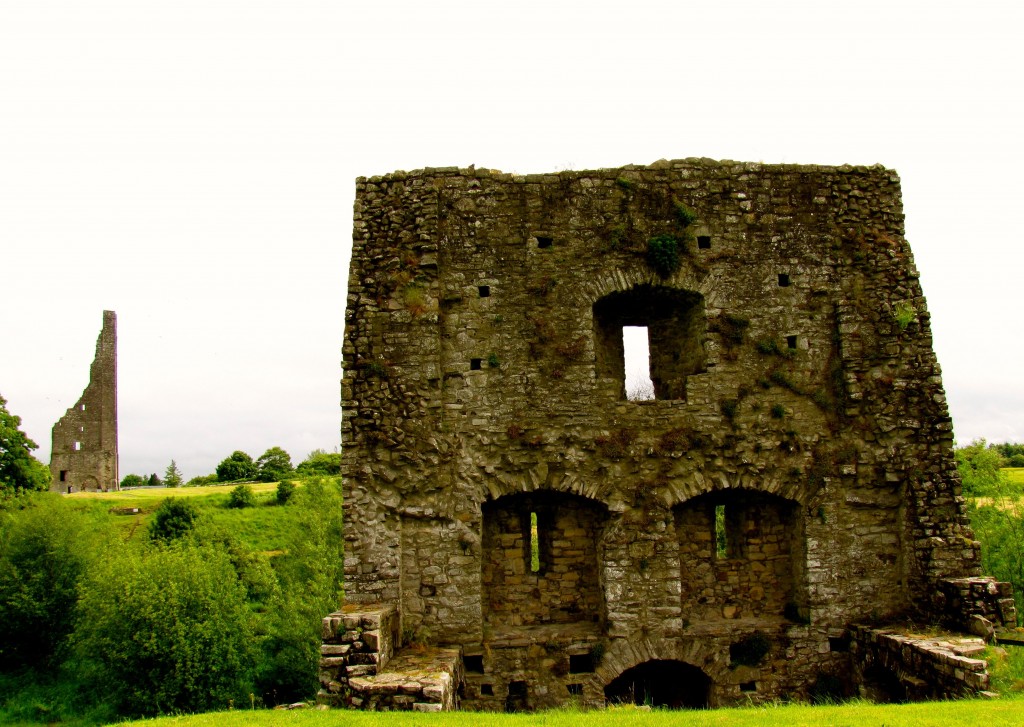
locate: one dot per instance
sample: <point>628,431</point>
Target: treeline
<point>95,627</point>
<point>980,465</point>
<point>274,465</point>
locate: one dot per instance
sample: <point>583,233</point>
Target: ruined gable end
<point>84,454</point>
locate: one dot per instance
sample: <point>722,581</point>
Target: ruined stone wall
<point>791,358</point>
<point>84,452</point>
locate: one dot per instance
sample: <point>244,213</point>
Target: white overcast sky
<point>191,165</point>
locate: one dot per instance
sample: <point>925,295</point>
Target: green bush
<point>663,255</point>
<point>166,630</point>
<point>174,518</point>
<point>979,465</point>
<point>239,466</point>
<point>45,548</point>
<point>201,480</point>
<point>310,574</point>
<point>285,490</point>
<point>242,496</point>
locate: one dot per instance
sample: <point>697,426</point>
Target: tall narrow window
<point>721,537</point>
<point>534,544</point>
<point>637,355</point>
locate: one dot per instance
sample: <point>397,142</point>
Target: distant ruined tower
<point>84,454</point>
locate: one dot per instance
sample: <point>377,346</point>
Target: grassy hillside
<point>967,713</point>
<point>264,527</point>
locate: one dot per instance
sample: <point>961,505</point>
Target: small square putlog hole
<point>581,664</point>
<point>487,690</point>
<point>485,291</point>
<point>544,242</point>
<point>748,687</point>
<point>791,341</point>
<point>783,280</point>
<point>703,242</point>
<point>475,364</point>
<point>474,664</point>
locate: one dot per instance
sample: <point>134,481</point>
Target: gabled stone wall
<point>794,381</point>
<point>84,453</point>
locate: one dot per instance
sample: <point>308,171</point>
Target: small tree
<point>979,466</point>
<point>172,477</point>
<point>154,481</point>
<point>19,470</point>
<point>242,496</point>
<point>274,465</point>
<point>239,466</point>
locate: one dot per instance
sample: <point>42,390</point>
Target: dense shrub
<point>174,518</point>
<point>166,630</point>
<point>285,490</point>
<point>274,465</point>
<point>242,496</point>
<point>979,466</point>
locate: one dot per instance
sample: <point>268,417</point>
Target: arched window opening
<point>673,324</point>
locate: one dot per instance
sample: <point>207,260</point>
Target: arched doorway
<point>661,683</point>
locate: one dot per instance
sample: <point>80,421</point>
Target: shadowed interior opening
<point>661,683</point>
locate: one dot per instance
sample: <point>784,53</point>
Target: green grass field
<point>264,527</point>
<point>1015,475</point>
<point>968,713</point>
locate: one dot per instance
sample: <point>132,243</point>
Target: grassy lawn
<point>264,527</point>
<point>1015,475</point>
<point>969,713</point>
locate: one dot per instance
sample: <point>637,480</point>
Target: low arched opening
<point>665,683</point>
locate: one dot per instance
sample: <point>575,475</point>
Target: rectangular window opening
<point>534,544</point>
<point>581,664</point>
<point>77,447</point>
<point>487,690</point>
<point>636,348</point>
<point>63,475</point>
<point>703,242</point>
<point>839,644</point>
<point>791,341</point>
<point>485,291</point>
<point>783,280</point>
<point>748,687</point>
<point>474,664</point>
<point>575,690</point>
<point>475,364</point>
<point>721,536</point>
<point>543,242</point>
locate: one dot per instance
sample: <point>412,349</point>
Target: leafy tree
<point>133,481</point>
<point>172,477</point>
<point>167,630</point>
<point>154,481</point>
<point>239,466</point>
<point>19,470</point>
<point>173,519</point>
<point>999,526</point>
<point>274,465</point>
<point>45,547</point>
<point>242,496</point>
<point>979,466</point>
<point>320,463</point>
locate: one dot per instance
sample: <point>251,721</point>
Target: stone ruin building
<point>520,528</point>
<point>84,454</point>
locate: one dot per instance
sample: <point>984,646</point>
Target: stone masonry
<point>791,476</point>
<point>84,454</point>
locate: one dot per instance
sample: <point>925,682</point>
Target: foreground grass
<point>969,713</point>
